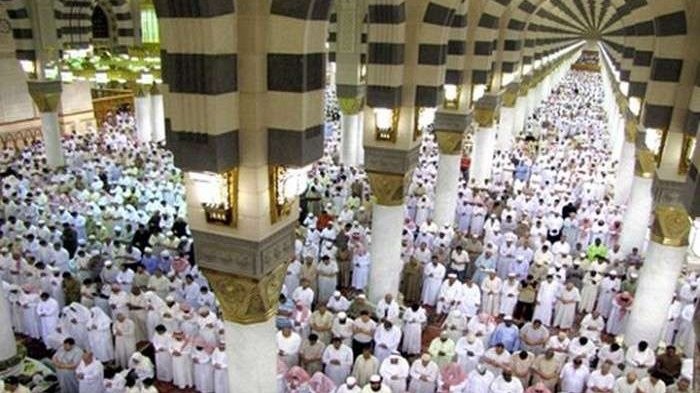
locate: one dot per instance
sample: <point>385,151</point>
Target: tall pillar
<point>351,129</point>
<point>506,125</point>
<point>46,96</point>
<point>658,277</point>
<point>484,141</point>
<point>249,307</point>
<point>8,346</point>
<point>635,222</point>
<point>387,226</point>
<point>625,169</point>
<point>521,106</point>
<point>144,121</point>
<point>449,131</point>
<point>349,79</point>
<point>157,115</point>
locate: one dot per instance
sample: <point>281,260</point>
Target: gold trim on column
<point>485,117</point>
<point>524,88</point>
<point>351,106</point>
<point>449,142</point>
<point>645,164</point>
<point>631,130</point>
<point>278,208</point>
<point>388,188</point>
<point>510,95</point>
<point>247,300</point>
<point>671,226</point>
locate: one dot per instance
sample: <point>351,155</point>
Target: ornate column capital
<point>524,86</point>
<point>671,226</point>
<point>351,105</point>
<point>631,126</point>
<point>510,95</point>
<point>449,142</point>
<point>46,94</point>
<point>246,300</point>
<point>388,188</point>
<point>485,110</point>
<point>645,164</point>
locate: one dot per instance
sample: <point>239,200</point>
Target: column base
<point>252,357</point>
<point>13,365</point>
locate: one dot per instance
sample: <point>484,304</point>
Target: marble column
<point>506,126</point>
<point>521,107</point>
<point>46,96</point>
<point>625,173</point>
<point>387,226</point>
<point>142,112</point>
<point>635,221</point>
<point>659,275</point>
<point>249,306</point>
<point>8,346</point>
<point>484,141</point>
<point>449,173</point>
<point>157,115</point>
<point>350,134</point>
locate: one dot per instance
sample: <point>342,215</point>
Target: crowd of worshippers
<point>96,261</point>
<point>528,290</point>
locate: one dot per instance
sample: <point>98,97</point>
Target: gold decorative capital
<point>246,300</point>
<point>351,106</point>
<point>449,142</point>
<point>671,226</point>
<point>155,90</point>
<point>485,117</point>
<point>524,88</point>
<point>388,188</point>
<point>510,95</point>
<point>46,94</point>
<point>631,130</point>
<point>645,165</point>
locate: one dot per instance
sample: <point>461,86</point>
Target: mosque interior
<point>241,114</point>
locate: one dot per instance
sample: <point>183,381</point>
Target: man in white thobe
<point>90,375</point>
<point>386,340</point>
<point>601,380</point>
<point>627,383</point>
<point>567,299</point>
<point>469,351</point>
<point>450,295</point>
<point>491,292</point>
<point>288,345</point>
<point>124,332</point>
<point>424,372</point>
<point>509,295</point>
<point>471,298</point>
<point>505,383</point>
<point>433,275</point>
<point>640,358</point>
<point>573,376</point>
<point>220,362</point>
<point>546,296</point>
<point>337,359</point>
<point>394,371</point>
<point>479,380</point>
<point>47,309</point>
<point>161,347</point>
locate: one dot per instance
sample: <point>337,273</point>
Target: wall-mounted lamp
<point>424,118</point>
<point>386,122</point>
<point>452,95</point>
<point>286,184</point>
<point>217,194</point>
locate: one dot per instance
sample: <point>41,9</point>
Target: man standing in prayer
<point>65,361</point>
<point>601,380</point>
<point>124,340</point>
<point>507,334</point>
<point>386,340</point>
<point>573,376</point>
<point>90,374</point>
<point>288,345</point>
<point>567,300</point>
<point>546,296</point>
<point>433,275</point>
<point>394,371</point>
<point>424,373</point>
<point>365,366</point>
<point>337,359</point>
<point>533,336</point>
<point>469,351</point>
<point>47,309</point>
<point>442,349</point>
